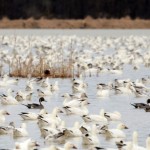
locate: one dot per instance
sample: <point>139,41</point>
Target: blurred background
<point>75,13</point>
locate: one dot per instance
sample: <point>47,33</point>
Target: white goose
<point>46,119</point>
<point>76,110</point>
<point>115,116</point>
<point>67,146</point>
<point>91,138</point>
<point>32,115</point>
<point>96,118</point>
<point>75,102</point>
<point>45,92</point>
<point>9,100</point>
<point>2,115</point>
<point>20,132</point>
<point>73,131</point>
<point>55,86</point>
<point>116,133</point>
<point>135,145</point>
<point>26,145</point>
<point>7,129</point>
<point>45,83</point>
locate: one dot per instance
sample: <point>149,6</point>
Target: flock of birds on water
<point>92,57</point>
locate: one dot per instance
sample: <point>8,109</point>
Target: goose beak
<point>61,111</point>
<point>7,113</point>
<point>37,144</point>
<point>74,147</point>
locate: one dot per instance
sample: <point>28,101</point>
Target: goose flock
<point>104,105</point>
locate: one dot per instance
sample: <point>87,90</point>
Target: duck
<point>20,132</point>
<point>116,133</point>
<point>26,145</point>
<point>142,105</point>
<point>2,115</point>
<point>36,106</point>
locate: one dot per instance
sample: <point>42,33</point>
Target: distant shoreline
<point>87,23</point>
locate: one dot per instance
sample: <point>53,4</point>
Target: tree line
<point>74,9</point>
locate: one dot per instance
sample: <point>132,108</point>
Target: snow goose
<point>8,100</point>
<point>46,92</point>
<point>7,129</point>
<point>2,115</point>
<point>76,110</point>
<point>58,137</point>
<point>102,92</point>
<point>95,148</point>
<point>20,132</point>
<point>32,115</point>
<point>29,86</point>
<point>135,145</point>
<point>74,131</point>
<point>115,116</point>
<point>75,102</point>
<point>68,146</point>
<point>26,145</point>
<point>20,96</point>
<point>96,118</point>
<point>116,133</point>
<point>48,119</point>
<point>45,83</point>
<point>55,86</point>
<point>36,106</point>
<point>91,138</point>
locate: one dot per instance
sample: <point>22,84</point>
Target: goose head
<point>4,112</point>
<point>69,146</point>
<point>122,126</point>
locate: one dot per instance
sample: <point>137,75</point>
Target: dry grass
<point>64,70</point>
<point>124,23</point>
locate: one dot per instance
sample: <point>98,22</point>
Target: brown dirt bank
<point>124,23</point>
